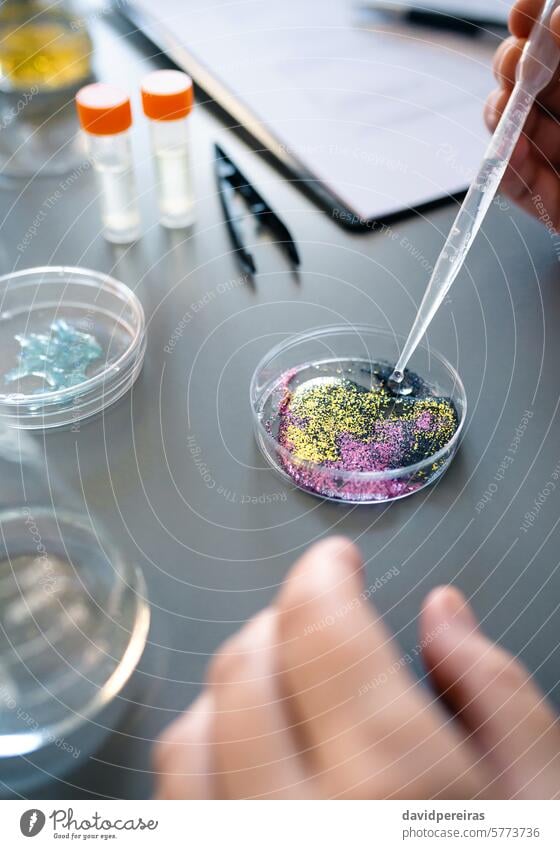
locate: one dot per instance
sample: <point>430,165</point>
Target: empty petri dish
<point>326,420</point>
<point>72,342</point>
<point>73,625</point>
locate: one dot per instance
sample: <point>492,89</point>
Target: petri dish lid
<point>72,342</point>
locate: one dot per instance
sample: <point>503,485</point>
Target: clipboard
<point>374,121</point>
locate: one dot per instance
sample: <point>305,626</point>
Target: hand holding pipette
<point>532,179</point>
<point>535,70</point>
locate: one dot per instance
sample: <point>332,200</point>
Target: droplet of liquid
<point>398,385</point>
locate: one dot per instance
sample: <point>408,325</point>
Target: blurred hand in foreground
<point>313,699</point>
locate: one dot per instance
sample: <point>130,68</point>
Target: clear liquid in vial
<point>121,219</point>
<point>176,198</point>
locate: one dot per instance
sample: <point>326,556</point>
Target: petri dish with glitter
<point>74,620</point>
<point>72,342</point>
<point>326,418</point>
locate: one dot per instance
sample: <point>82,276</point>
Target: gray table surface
<point>211,556</point>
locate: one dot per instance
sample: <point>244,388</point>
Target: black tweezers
<point>230,180</point>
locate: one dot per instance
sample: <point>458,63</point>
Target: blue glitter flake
<point>60,357</point>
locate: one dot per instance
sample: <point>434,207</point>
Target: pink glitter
<point>425,421</point>
<point>384,445</point>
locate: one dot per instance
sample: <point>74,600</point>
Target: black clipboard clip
<point>231,180</point>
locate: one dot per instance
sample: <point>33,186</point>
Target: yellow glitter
<point>323,409</point>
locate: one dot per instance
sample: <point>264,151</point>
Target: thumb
<point>494,696</point>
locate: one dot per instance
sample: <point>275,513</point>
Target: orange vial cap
<point>167,95</point>
<point>103,110</point>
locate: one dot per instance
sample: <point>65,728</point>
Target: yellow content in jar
<point>43,53</point>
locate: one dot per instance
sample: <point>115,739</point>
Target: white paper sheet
<point>386,117</point>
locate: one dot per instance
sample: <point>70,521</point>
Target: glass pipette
<point>535,69</point>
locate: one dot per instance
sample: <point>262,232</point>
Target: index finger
<point>523,16</point>
<point>368,728</point>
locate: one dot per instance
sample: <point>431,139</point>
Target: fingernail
<point>490,112</point>
<point>456,609</point>
<point>200,710</point>
<point>342,551</point>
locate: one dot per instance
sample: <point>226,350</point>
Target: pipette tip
<point>398,385</point>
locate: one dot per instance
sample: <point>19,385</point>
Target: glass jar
<point>45,55</point>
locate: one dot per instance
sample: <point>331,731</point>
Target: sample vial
<point>105,117</point>
<point>167,98</point>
